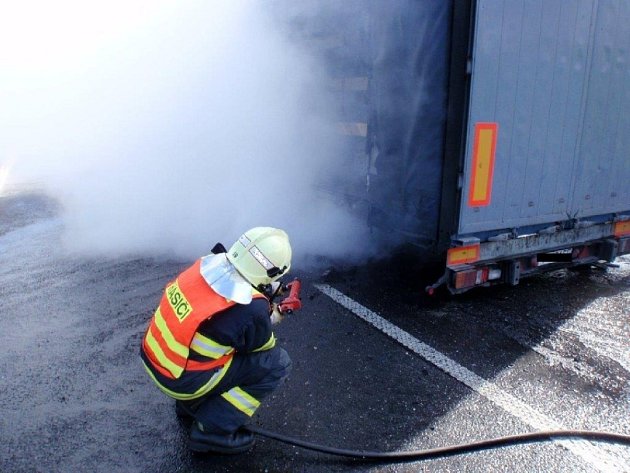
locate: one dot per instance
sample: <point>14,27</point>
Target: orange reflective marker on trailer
<point>622,228</point>
<point>484,149</point>
<point>462,255</point>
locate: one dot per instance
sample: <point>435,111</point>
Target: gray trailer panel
<point>603,176</point>
<point>553,75</point>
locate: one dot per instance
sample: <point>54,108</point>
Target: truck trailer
<point>494,134</point>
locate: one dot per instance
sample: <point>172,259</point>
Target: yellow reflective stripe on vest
<point>202,391</point>
<point>162,358</point>
<point>269,345</point>
<point>241,400</point>
<point>173,344</point>
<point>208,347</point>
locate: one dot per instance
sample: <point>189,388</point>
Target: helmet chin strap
<point>265,289</point>
<point>269,291</point>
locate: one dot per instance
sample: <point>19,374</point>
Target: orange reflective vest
<point>187,302</point>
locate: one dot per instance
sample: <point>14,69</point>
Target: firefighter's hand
<point>276,314</point>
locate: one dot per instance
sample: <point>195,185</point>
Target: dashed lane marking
<point>596,455</point>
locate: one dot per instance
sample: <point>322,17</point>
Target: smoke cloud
<point>164,127</point>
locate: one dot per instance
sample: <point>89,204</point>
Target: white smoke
<point>163,127</point>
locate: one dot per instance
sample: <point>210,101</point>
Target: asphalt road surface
<point>377,365</point>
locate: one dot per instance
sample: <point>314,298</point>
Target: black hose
<point>500,442</point>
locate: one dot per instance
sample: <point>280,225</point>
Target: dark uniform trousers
<point>258,374</point>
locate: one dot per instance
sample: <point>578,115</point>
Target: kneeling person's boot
<point>227,443</point>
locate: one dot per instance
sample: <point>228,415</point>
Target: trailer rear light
<point>475,277</point>
<point>462,255</point>
<point>622,228</point>
<point>465,279</point>
<point>494,274</point>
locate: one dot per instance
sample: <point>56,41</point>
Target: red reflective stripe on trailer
<point>484,149</point>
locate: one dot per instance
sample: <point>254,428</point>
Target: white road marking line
<point>552,350</point>
<point>604,336</point>
<point>600,458</point>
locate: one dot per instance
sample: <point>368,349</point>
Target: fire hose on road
<point>441,452</point>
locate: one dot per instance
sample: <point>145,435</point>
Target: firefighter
<point>210,344</point>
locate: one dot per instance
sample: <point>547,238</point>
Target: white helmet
<point>261,255</point>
